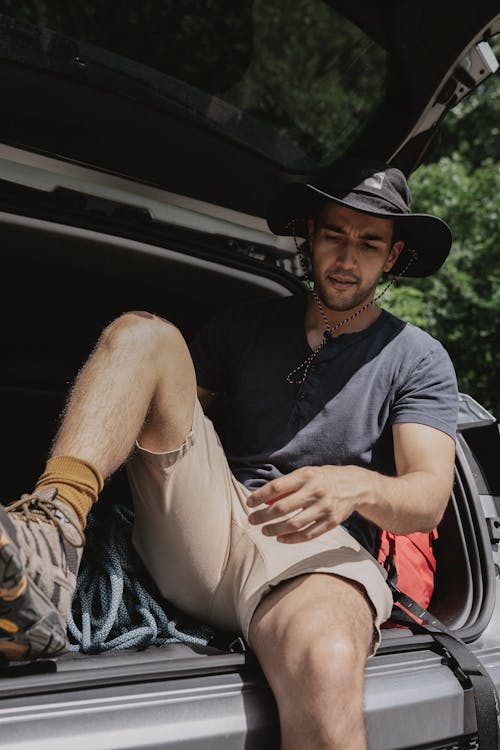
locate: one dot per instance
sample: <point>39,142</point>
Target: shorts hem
<point>166,459</point>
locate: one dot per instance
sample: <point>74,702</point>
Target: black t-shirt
<point>358,386</point>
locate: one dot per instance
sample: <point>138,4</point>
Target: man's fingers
<point>298,522</point>
<point>311,532</point>
<point>280,508</point>
<point>276,488</point>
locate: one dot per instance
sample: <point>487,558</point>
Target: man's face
<point>350,251</point>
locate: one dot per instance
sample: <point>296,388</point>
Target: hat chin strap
<point>298,375</point>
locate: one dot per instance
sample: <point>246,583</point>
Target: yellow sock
<point>78,483</point>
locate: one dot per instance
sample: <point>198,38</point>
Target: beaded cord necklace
<point>298,375</point>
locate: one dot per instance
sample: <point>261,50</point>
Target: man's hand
<point>309,501</point>
<point>314,499</point>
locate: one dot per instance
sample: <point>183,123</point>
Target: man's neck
<point>315,325</point>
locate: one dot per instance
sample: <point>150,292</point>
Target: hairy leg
<point>139,380</point>
<point>312,635</point>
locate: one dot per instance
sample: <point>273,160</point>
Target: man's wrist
<point>372,493</point>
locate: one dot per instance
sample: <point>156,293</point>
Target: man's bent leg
<point>312,636</point>
<point>140,378</point>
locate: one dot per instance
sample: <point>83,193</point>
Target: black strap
<point>461,660</point>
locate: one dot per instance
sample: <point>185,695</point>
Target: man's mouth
<point>341,282</point>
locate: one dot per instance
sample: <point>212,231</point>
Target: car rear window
<point>299,71</point>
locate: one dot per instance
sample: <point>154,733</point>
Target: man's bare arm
<point>311,500</point>
<point>205,396</point>
<point>416,499</point>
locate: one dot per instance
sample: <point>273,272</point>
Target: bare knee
<point>307,630</point>
<point>137,320</point>
<point>329,661</point>
<point>320,650</point>
<point>140,331</point>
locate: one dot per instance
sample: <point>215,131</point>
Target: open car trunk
<point>62,285</point>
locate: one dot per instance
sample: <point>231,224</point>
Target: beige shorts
<point>192,532</point>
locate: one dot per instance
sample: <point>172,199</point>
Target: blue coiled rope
<point>116,605</point>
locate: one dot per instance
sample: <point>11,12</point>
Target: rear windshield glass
<point>304,76</point>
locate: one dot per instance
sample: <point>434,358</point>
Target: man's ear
<point>394,254</point>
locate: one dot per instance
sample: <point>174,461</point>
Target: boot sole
<point>30,625</point>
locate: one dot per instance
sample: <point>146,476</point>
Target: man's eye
<point>369,246</point>
<point>333,237</point>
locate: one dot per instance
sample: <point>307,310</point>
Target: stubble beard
<point>343,301</point>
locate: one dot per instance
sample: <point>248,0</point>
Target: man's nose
<point>346,255</point>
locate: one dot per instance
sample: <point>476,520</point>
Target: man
<point>341,421</point>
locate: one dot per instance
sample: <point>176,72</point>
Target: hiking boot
<point>41,543</point>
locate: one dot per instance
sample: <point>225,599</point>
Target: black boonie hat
<point>373,188</point>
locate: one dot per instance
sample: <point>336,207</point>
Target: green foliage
<point>407,302</point>
<point>302,78</point>
<point>460,305</point>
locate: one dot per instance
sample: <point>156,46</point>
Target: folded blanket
<point>116,604</point>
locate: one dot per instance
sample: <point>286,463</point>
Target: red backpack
<point>415,563</point>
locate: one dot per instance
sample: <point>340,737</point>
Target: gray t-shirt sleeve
<point>428,393</point>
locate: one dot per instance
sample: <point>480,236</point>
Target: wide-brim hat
<point>373,188</point>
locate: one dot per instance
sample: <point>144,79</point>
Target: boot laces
<point>44,510</point>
